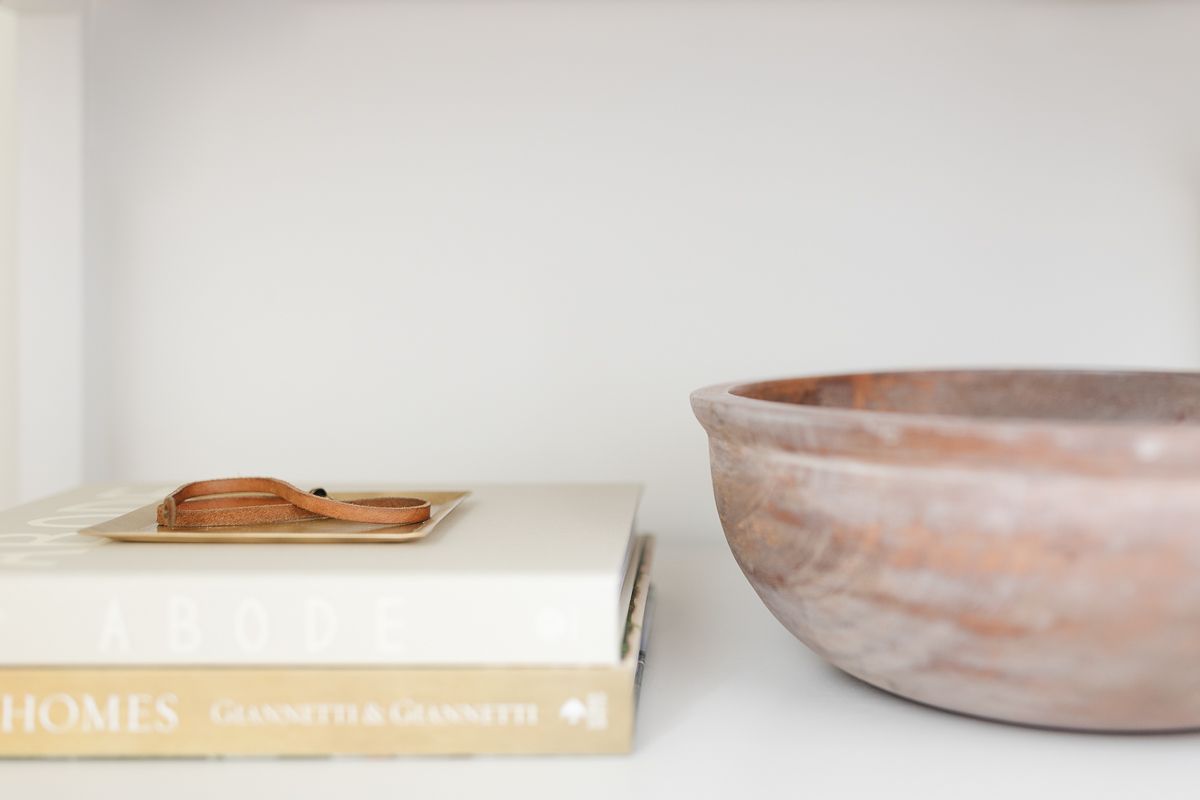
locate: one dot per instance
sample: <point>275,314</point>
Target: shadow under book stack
<point>517,626</point>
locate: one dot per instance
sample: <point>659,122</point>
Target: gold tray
<point>141,525</point>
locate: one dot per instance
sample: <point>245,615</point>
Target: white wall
<point>49,243</point>
<point>466,241</point>
<point>8,260</point>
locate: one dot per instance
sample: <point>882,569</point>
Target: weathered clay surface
<point>1020,545</point>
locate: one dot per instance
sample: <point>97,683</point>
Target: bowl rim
<point>1161,447</point>
<point>724,392</point>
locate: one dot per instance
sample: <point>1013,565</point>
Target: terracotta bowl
<point>1019,545</point>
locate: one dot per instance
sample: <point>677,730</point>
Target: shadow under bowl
<point>1022,545</point>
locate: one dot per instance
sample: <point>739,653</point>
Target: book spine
<point>315,712</point>
<point>144,619</point>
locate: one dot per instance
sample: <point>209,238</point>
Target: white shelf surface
<point>732,706</point>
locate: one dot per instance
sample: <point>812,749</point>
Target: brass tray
<point>141,525</point>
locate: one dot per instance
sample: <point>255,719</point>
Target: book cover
<point>529,575</point>
<point>307,711</point>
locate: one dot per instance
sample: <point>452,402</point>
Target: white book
<point>515,575</point>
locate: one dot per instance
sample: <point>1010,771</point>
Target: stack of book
<point>517,626</point>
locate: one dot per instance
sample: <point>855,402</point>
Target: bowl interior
<point>1130,397</point>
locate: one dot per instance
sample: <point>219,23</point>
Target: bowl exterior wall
<point>1045,597</point>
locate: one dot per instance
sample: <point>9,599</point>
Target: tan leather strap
<point>266,501</point>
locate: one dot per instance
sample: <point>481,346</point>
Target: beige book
<point>238,711</point>
<point>518,574</point>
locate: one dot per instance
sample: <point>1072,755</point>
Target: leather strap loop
<point>268,501</point>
